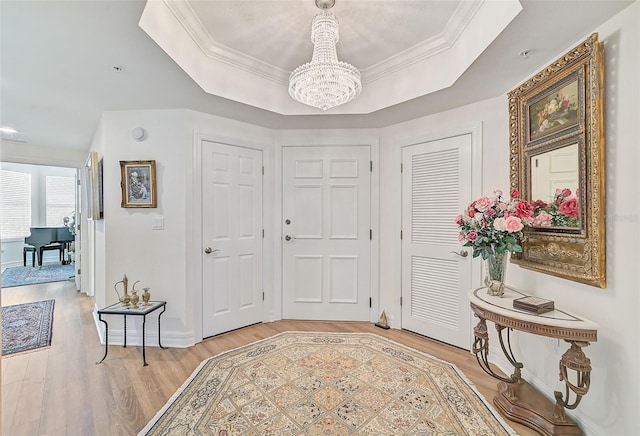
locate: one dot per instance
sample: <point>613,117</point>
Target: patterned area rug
<point>28,275</point>
<point>27,326</point>
<point>326,384</point>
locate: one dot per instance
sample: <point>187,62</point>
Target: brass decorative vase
<point>134,299</point>
<point>495,272</point>
<point>146,296</point>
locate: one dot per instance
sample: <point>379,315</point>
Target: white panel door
<point>557,169</point>
<point>232,237</point>
<point>436,186</point>
<point>77,243</point>
<point>326,251</point>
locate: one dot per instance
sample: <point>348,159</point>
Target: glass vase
<point>495,272</point>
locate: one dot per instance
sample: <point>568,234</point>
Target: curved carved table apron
<point>517,399</point>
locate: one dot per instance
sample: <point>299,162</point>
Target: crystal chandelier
<point>325,82</point>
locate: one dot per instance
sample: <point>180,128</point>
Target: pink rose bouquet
<point>562,211</point>
<point>493,225</point>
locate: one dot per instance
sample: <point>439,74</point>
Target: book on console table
<point>533,304</point>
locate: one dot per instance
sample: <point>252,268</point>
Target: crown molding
<point>192,24</point>
<point>439,43</point>
<point>189,20</point>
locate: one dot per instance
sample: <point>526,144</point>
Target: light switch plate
<point>157,223</point>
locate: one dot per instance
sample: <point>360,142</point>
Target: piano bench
<point>26,250</point>
<point>55,246</point>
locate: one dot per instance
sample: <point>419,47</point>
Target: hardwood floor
<point>61,391</point>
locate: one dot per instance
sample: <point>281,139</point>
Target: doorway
<point>436,273</point>
<point>232,237</point>
<point>326,228</point>
<point>37,196</point>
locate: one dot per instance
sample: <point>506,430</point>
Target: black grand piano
<point>47,238</point>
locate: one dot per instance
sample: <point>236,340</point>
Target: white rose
<point>500,224</point>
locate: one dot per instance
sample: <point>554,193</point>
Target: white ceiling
<point>57,58</point>
<point>364,24</point>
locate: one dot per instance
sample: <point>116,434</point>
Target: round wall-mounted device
<point>138,134</point>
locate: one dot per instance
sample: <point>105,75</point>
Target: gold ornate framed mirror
<point>557,162</point>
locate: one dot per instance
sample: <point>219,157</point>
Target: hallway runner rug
<point>29,275</point>
<point>301,383</point>
<point>27,326</point>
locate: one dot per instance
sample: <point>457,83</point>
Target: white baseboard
<point>169,338</point>
<point>14,264</point>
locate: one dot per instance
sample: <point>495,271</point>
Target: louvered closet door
<point>436,185</point>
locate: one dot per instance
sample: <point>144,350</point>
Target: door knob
<point>462,253</point>
<point>288,238</point>
<point>209,250</point>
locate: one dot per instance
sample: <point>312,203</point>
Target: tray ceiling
<point>245,50</point>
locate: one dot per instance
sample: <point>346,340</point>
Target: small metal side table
<point>141,310</point>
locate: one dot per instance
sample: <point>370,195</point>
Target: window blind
<point>60,199</point>
<point>15,204</point>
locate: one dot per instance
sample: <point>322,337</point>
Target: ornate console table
<point>517,399</point>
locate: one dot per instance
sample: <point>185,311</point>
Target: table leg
<point>106,339</point>
<point>575,359</point>
<point>159,344</point>
<point>481,350</point>
<point>144,329</point>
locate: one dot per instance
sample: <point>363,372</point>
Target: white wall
<point>611,406</point>
<point>162,260</point>
<point>39,155</point>
<point>124,240</point>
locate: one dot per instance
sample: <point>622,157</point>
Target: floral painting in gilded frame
<point>138,183</point>
<point>555,111</point>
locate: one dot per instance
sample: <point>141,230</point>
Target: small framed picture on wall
<point>138,183</point>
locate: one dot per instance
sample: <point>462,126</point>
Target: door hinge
<point>370,302</point>
<point>370,166</point>
<point>78,271</point>
<point>371,234</point>
<point>400,234</point>
<point>263,170</point>
<point>263,296</point>
<point>536,163</point>
<point>400,301</point>
<point>401,167</point>
<point>262,233</point>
